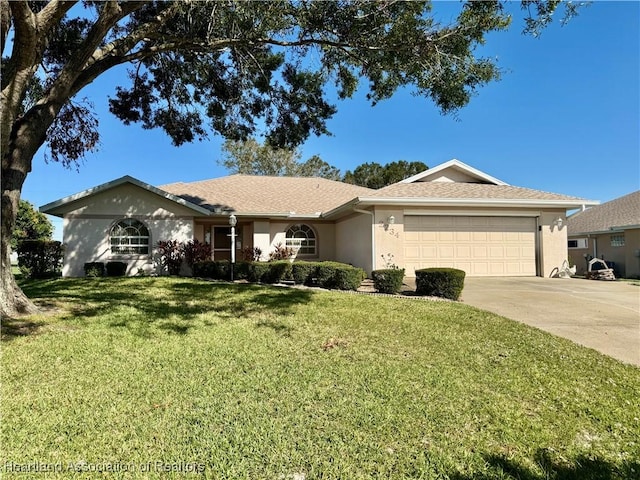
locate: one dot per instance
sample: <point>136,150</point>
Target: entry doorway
<point>221,247</point>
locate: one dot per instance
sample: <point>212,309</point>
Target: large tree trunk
<point>27,136</point>
<point>13,301</point>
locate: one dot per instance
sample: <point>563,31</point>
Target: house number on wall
<point>390,230</point>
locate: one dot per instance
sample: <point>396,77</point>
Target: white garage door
<point>481,246</point>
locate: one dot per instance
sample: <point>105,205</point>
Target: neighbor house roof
<point>269,196</point>
<point>619,214</point>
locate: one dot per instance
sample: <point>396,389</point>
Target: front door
<point>222,242</point>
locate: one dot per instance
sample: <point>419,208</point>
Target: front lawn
<point>157,377</point>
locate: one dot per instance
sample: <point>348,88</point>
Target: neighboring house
<point>449,216</point>
<point>610,231</point>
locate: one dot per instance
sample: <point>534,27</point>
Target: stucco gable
<point>124,196</point>
<point>454,171</point>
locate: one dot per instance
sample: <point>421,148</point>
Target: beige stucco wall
<point>87,223</point>
<point>389,244</point>
<point>626,259</point>
<point>325,238</point>
<point>87,240</point>
<point>552,241</point>
<point>353,240</point>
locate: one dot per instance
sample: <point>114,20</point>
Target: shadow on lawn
<point>582,467</point>
<point>170,305</point>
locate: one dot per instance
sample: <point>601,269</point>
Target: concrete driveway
<point>601,315</point>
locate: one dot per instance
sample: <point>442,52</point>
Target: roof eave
<point>481,202</point>
<point>620,228</point>
<point>50,208</point>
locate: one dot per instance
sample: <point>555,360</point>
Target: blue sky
<point>565,118</point>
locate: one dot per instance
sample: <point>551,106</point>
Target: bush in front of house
<point>94,269</point>
<point>214,269</point>
<point>241,270</point>
<point>346,277</point>
<point>301,271</point>
<point>388,280</point>
<point>257,270</point>
<point>277,272</point>
<point>40,258</point>
<point>171,255</point>
<point>332,275</point>
<point>440,282</point>
<point>195,251</point>
<point>116,269</point>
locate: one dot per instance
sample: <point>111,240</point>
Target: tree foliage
<point>30,225</point>
<point>374,175</point>
<point>252,158</point>
<point>234,68</point>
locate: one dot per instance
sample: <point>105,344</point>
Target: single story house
<point>611,232</point>
<point>452,215</point>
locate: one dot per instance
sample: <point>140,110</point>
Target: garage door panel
<point>480,246</point>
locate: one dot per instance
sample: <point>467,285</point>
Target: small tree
<point>30,225</point>
<point>252,158</point>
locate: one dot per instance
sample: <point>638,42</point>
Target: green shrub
<point>322,274</point>
<point>335,275</point>
<point>116,269</point>
<point>40,258</point>
<point>388,280</point>
<point>214,269</point>
<point>257,270</point>
<point>346,277</point>
<point>202,269</point>
<point>241,270</point>
<point>94,269</point>
<point>440,282</point>
<point>277,272</point>
<point>301,271</point>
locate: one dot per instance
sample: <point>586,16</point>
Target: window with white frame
<point>617,240</point>
<point>577,243</point>
<point>302,238</point>
<point>129,237</point>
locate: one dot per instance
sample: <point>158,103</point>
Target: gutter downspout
<point>373,235</point>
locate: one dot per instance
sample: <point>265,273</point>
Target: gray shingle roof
<point>621,212</point>
<point>250,194</point>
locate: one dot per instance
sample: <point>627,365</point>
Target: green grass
<point>253,382</point>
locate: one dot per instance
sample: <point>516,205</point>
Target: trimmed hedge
<point>94,269</point>
<point>335,275</point>
<point>346,277</point>
<point>215,269</point>
<point>116,269</point>
<point>302,271</point>
<point>277,272</point>
<point>388,280</point>
<point>40,258</point>
<point>323,274</point>
<point>257,271</point>
<point>440,282</point>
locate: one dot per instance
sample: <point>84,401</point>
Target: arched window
<point>302,238</point>
<point>129,236</point>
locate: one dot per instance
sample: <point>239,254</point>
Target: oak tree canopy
<point>233,68</point>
